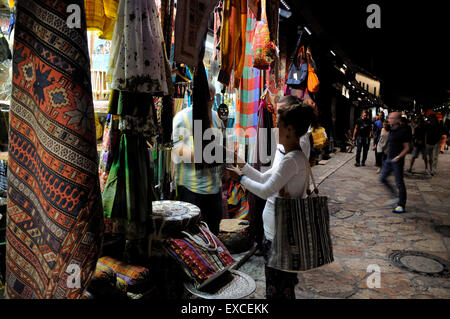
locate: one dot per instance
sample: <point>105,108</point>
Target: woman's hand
<point>235,173</point>
<point>236,158</point>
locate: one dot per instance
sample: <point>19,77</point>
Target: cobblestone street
<point>365,232</point>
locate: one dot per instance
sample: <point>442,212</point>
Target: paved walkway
<point>366,233</point>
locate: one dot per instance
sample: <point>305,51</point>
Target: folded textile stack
<point>114,278</point>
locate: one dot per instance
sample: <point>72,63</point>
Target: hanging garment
<point>54,219</point>
<point>233,41</point>
<point>111,135</point>
<point>266,122</point>
<point>217,31</point>
<point>191,25</point>
<point>273,19</point>
<point>101,16</point>
<point>137,61</point>
<point>127,195</point>
<point>249,93</point>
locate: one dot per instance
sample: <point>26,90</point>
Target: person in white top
<point>287,177</point>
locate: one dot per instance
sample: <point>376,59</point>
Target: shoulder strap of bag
<point>207,245</point>
<point>310,176</point>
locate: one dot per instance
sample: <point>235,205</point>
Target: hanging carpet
<point>54,219</point>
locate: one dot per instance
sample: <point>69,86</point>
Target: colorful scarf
<point>54,221</point>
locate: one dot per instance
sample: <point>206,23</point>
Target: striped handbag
<point>302,238</point>
<point>201,255</point>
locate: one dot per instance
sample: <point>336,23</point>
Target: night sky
<point>410,52</point>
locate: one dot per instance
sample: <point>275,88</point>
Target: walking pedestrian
<point>286,179</point>
<point>419,144</point>
<point>377,128</point>
<point>382,145</point>
<point>362,134</point>
<point>432,138</point>
<point>399,144</point>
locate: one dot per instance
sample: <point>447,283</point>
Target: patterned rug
<point>54,218</point>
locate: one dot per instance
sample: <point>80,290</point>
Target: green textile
<point>127,195</point>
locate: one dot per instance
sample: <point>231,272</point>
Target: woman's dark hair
<point>294,113</point>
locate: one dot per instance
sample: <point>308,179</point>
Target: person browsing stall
<point>286,178</point>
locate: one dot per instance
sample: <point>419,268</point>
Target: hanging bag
<point>313,80</point>
<point>264,50</point>
<point>302,232</point>
<point>298,74</point>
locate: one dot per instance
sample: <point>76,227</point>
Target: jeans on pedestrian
<point>364,144</point>
<point>432,154</point>
<point>397,169</point>
<point>210,206</point>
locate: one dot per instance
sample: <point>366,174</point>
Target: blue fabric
<point>397,168</point>
<point>377,127</point>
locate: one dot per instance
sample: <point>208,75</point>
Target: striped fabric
<point>199,263</point>
<point>249,93</point>
<point>199,181</point>
<point>302,234</point>
<point>137,278</point>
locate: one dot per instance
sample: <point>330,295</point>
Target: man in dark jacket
<point>362,134</point>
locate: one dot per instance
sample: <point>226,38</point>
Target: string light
<point>285,5</point>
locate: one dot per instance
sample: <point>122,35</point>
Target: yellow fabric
<point>11,3</point>
<point>232,39</point>
<point>319,137</point>
<point>101,16</point>
<point>111,7</point>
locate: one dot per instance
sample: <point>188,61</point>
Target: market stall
<point>112,109</point>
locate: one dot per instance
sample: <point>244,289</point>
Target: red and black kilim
<point>54,217</point>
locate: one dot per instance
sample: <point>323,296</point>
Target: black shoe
<point>363,164</point>
<point>357,164</point>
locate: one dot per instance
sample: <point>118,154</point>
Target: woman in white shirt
<point>287,176</point>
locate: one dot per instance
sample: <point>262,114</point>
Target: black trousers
<point>362,143</point>
<point>210,206</point>
<point>279,284</point>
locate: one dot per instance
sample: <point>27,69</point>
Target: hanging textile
<point>128,187</point>
<point>111,135</point>
<point>101,16</point>
<point>266,121</point>
<point>273,19</point>
<point>247,105</point>
<point>217,30</point>
<point>191,26</point>
<point>127,195</point>
<point>137,61</point>
<point>54,219</point>
<point>233,41</point>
